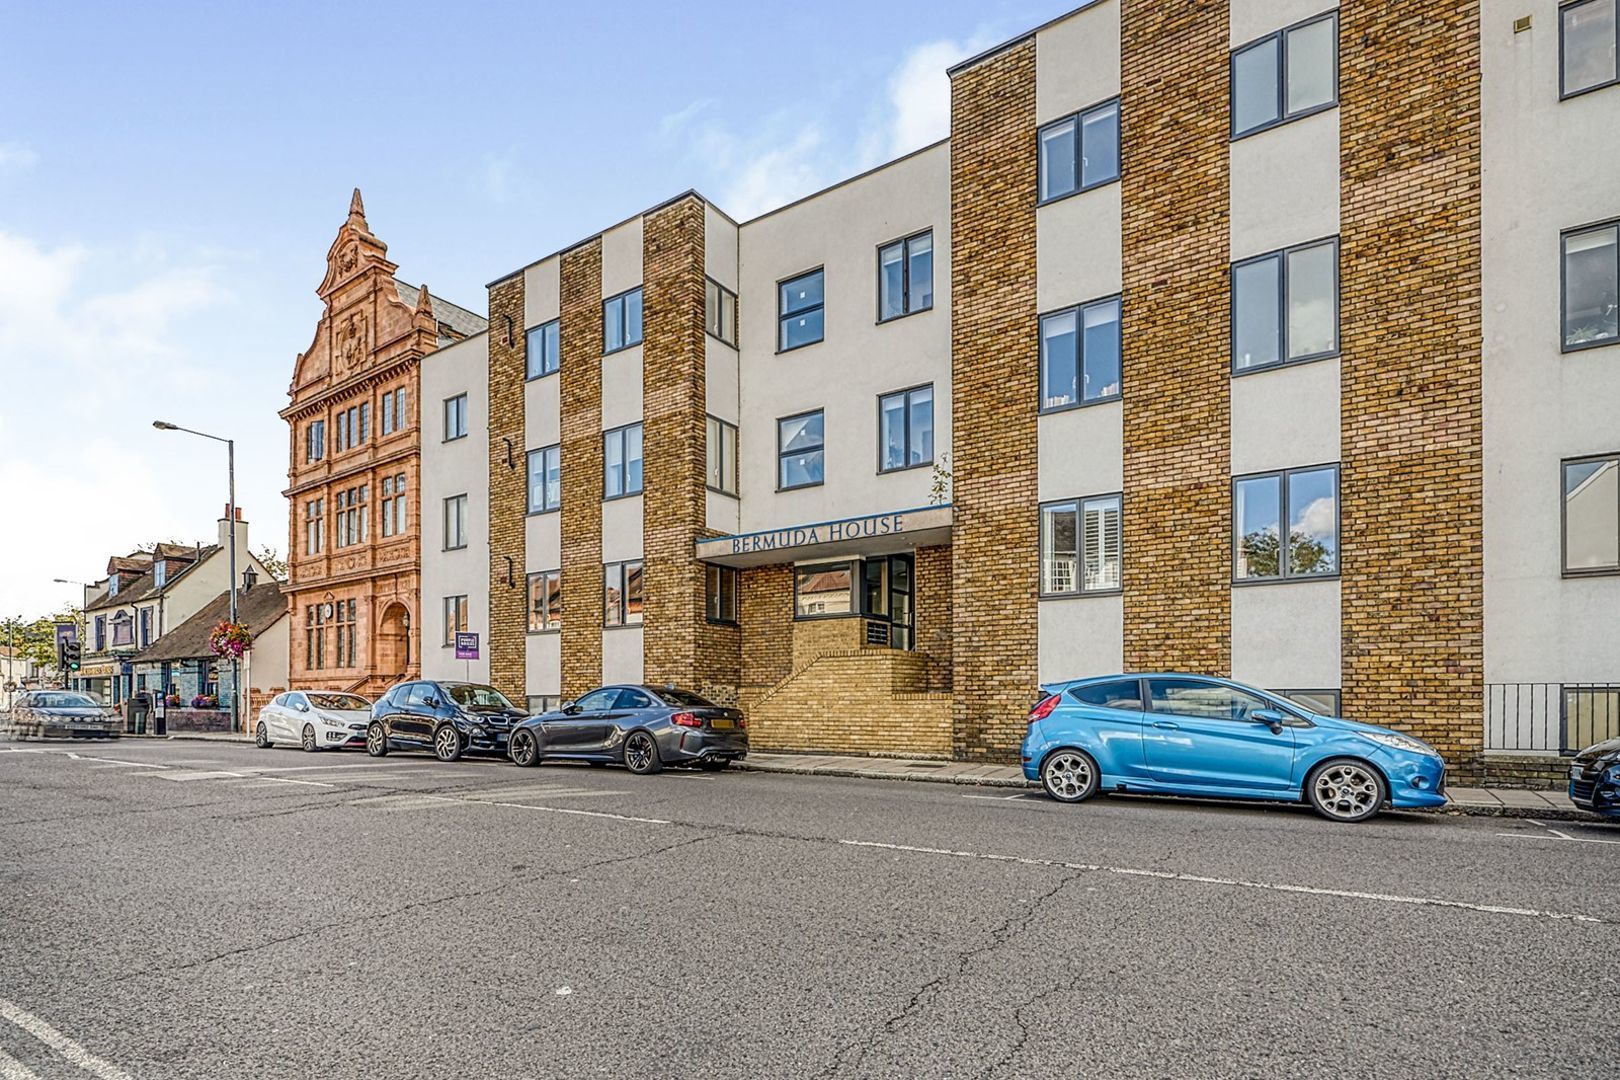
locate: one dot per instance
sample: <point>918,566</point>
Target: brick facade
<point>932,607</point>
<point>1411,497</point>
<point>508,489</point>
<point>1176,358</point>
<point>996,359</point>
<point>581,388</point>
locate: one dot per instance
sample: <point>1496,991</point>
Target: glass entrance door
<point>902,592</point>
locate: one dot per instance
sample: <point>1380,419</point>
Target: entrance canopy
<point>870,534</point>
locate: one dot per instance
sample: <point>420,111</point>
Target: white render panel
<point>621,258</point>
<point>542,418</point>
<point>1285,185</point>
<point>542,543</point>
<point>1077,249</point>
<point>621,655</point>
<point>1286,637</point>
<point>621,529</point>
<point>720,382</point>
<point>1080,637</point>
<point>621,388</point>
<point>542,664</point>
<point>1285,417</point>
<point>1250,19</point>
<point>719,247</point>
<point>721,512</point>
<point>1077,62</point>
<point>1082,452</point>
<point>542,292</point>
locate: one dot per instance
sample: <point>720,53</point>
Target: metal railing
<point>1550,718</point>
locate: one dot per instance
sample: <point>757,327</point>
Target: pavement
<point>206,909</point>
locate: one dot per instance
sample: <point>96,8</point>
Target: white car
<point>313,719</point>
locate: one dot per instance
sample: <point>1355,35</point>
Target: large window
<point>393,410</point>
<point>545,349</point>
<point>1080,355</point>
<point>824,590</point>
<point>800,446</point>
<point>621,462</point>
<point>720,594</point>
<point>1285,306</point>
<point>455,522</point>
<point>315,441</point>
<point>621,594</point>
<point>1308,501</point>
<point>455,619</point>
<point>906,429</point>
<point>146,627</point>
<point>314,527</point>
<point>1285,75</point>
<point>346,623</point>
<point>722,456</point>
<point>353,522</point>
<point>545,601</point>
<point>621,321</point>
<point>393,505</point>
<point>1080,546</point>
<point>801,311</point>
<point>1592,286</point>
<point>1592,515</point>
<point>455,417</point>
<point>906,276</point>
<point>1080,152</point>
<point>1589,36</point>
<point>720,312</point>
<point>545,479</point>
<point>315,636</point>
<point>353,426</point>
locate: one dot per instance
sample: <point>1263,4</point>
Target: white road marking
<point>1549,828</point>
<point>184,777</point>
<point>12,1069</point>
<point>1000,798</point>
<point>288,780</point>
<point>1556,836</point>
<point>63,1045</point>
<point>1236,883</point>
<point>552,810</point>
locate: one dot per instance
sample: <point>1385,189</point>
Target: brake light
<point>1043,710</point>
<point>686,719</point>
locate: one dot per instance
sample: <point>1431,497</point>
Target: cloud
<point>17,157</point>
<point>1319,520</point>
<point>920,93</point>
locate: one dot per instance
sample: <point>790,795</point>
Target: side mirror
<point>303,706</point>
<point>1269,717</point>
<point>569,708</point>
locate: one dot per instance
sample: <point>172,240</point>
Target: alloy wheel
<point>309,738</point>
<point>447,743</point>
<point>261,737</point>
<point>1068,776</point>
<point>376,740</point>
<point>1346,791</point>
<point>523,749</point>
<point>640,753</point>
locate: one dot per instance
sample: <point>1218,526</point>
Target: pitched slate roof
<point>257,608</point>
<point>146,585</point>
<point>463,322</point>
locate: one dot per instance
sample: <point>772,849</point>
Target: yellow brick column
<point>508,622</point>
<point>580,372</point>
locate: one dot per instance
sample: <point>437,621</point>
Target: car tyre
<point>1070,775</point>
<point>525,749</point>
<point>1345,790</point>
<point>715,764</point>
<point>447,743</point>
<point>376,740</point>
<point>261,737</point>
<point>310,745</point>
<point>641,754</point>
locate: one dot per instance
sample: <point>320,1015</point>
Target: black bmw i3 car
<point>642,728</point>
<point>448,718</point>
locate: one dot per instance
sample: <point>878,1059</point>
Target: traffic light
<point>70,656</point>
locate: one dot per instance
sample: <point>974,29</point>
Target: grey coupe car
<point>63,714</point>
<point>642,728</point>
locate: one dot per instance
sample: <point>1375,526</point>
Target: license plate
<point>722,724</point>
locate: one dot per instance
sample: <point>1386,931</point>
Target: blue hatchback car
<point>1177,734</point>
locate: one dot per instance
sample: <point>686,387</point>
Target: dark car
<point>448,718</point>
<point>63,714</point>
<point>642,728</point>
<point>1594,779</point>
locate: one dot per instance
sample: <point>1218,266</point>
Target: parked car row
<point>64,714</point>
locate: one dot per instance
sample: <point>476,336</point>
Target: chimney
<point>241,535</point>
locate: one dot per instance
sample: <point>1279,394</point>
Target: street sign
<point>466,646</point>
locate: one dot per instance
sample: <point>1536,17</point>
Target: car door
<point>1200,734</point>
<point>628,710</point>
<point>291,716</point>
<point>569,734</point>
<point>412,721</point>
<point>1114,717</point>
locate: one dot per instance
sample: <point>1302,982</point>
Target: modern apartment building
<point>1267,338</point>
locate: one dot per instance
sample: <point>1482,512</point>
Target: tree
<point>272,561</point>
<point>35,639</point>
<point>1306,554</point>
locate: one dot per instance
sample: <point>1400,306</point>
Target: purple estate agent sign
<point>466,646</point>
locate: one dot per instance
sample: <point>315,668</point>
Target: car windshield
<point>474,696</point>
<point>673,696</point>
<point>340,702</point>
<point>65,701</point>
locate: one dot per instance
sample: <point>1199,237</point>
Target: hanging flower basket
<point>230,640</point>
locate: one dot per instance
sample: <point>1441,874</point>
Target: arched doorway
<point>394,641</point>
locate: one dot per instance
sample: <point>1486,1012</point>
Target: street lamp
<point>230,514</point>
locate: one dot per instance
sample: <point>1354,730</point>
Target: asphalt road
<point>188,909</point>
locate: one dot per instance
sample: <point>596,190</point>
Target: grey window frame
<point>1565,94</point>
<point>781,453</point>
<point>728,469</point>
<point>881,398</point>
<point>1281,74</point>
<point>463,610</point>
<point>528,481</point>
<point>1282,255</point>
<point>1079,504</point>
<point>853,563</point>
<point>549,624</point>
<point>1079,310</point>
<point>464,412</point>
<point>641,330</point>
<point>1563,279</point>
<point>555,362</point>
<point>721,574</point>
<point>722,294</point>
<point>624,462</point>
<point>1563,518</point>
<point>1078,118</point>
<point>783,316</point>
<point>623,569</point>
<point>904,243</point>
<point>450,499</point>
<point>1283,576</point>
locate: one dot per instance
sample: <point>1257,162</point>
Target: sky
<point>172,174</point>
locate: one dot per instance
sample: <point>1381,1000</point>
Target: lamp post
<point>230,514</point>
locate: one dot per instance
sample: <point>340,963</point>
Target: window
<point>800,444</point>
<point>393,505</point>
<point>345,625</point>
<point>621,321</point>
<point>146,627</point>
<point>455,522</point>
<point>1588,35</point>
<point>455,417</point>
<point>315,441</point>
<point>352,521</point>
<point>1592,515</point>
<point>545,601</point>
<point>906,276</point>
<point>314,526</point>
<point>1080,546</point>
<point>1079,152</point>
<point>388,412</point>
<point>545,479</point>
<point>1125,694</point>
<point>545,349</point>
<point>543,703</point>
<point>160,573</point>
<point>1285,75</point>
<point>1206,700</point>
<point>1591,282</point>
<point>721,442</point>
<point>101,632</point>
<point>906,429</point>
<point>1080,360</point>
<point>824,590</point>
<point>1308,500</point>
<point>1285,306</point>
<point>1321,702</point>
<point>315,636</point>
<point>800,311</point>
<point>621,462</point>
<point>720,594</point>
<point>455,619</point>
<point>621,594</point>
<point>720,312</point>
